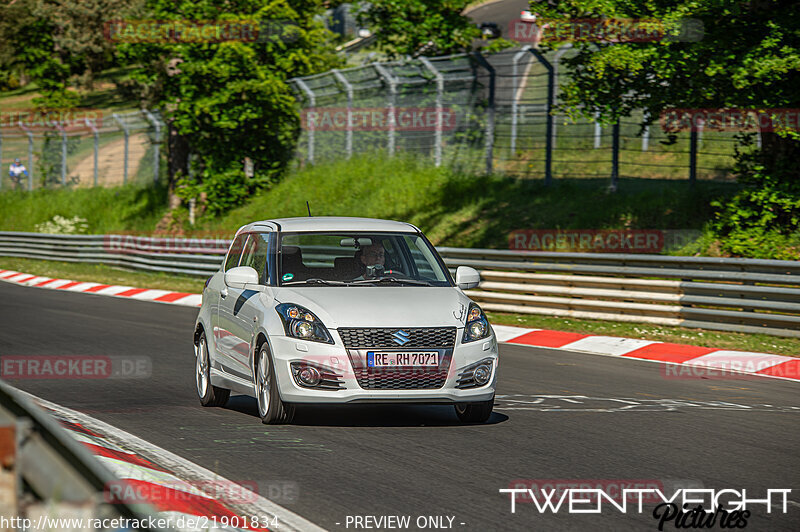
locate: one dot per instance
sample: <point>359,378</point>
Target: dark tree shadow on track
<point>366,415</point>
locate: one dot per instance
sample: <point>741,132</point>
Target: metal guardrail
<point>46,471</point>
<point>745,295</point>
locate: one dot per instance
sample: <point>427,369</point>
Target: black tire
<point>474,412</point>
<point>275,411</point>
<point>209,394</point>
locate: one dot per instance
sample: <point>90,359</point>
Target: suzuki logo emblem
<point>401,337</point>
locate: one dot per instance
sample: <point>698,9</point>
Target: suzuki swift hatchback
<point>342,310</point>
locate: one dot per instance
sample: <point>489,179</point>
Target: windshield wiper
<point>316,280</point>
<point>391,280</point>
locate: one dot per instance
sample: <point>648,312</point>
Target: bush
<point>762,220</point>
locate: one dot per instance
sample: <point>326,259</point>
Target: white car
<point>342,310</point>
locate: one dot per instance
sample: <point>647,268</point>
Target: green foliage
<point>424,27</point>
<point>231,100</point>
<point>762,220</point>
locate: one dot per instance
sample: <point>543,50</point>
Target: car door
<point>222,326</point>
<point>243,307</point>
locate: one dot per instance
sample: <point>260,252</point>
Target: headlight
<point>300,322</point>
<point>477,326</point>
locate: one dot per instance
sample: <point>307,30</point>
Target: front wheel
<point>270,407</point>
<point>209,394</point>
<point>475,412</point>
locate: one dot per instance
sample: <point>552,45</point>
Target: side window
<point>235,253</point>
<point>255,256</point>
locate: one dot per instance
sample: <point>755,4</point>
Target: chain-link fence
<point>496,112</point>
<point>85,149</point>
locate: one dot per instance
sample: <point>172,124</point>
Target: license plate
<point>378,359</point>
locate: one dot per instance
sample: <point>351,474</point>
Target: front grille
<point>400,379</point>
<point>429,337</point>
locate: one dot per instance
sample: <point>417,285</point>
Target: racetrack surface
<point>612,421</point>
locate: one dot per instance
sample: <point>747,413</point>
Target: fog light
<point>308,376</point>
<point>482,374</point>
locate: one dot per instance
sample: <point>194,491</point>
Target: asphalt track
<point>416,460</point>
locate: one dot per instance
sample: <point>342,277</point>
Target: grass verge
<point>760,343</point>
<point>100,273</point>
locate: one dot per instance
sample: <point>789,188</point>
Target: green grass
<point>473,210</point>
<point>100,273</point>
<point>760,343</point>
<point>454,209</point>
<point>134,209</point>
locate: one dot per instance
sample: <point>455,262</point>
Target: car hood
<point>378,306</point>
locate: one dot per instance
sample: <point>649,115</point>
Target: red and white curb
<point>691,357</point>
<point>707,359</point>
<point>142,294</point>
<point>184,494</point>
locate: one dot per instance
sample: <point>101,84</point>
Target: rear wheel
<point>209,394</point>
<point>270,407</point>
<point>475,412</point>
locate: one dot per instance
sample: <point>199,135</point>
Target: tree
<point>406,27</point>
<point>225,101</point>
<point>746,57</point>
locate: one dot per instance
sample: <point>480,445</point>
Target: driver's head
<point>373,255</point>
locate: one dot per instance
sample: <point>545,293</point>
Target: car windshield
<point>359,259</point>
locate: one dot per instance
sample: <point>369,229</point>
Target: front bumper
<point>286,350</point>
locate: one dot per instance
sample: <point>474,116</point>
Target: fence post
<point>313,102</point>
<point>598,130</point>
<point>126,133</point>
<point>348,143</point>
<point>516,97</point>
<point>646,132</point>
<point>548,157</point>
<point>693,155</point>
<point>614,157</point>
<point>561,51</point>
<point>30,154</point>
<point>156,158</point>
<point>490,110</point>
<point>392,102</point>
<point>439,95</point>
<point>92,126</point>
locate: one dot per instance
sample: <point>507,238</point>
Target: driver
<point>373,257</point>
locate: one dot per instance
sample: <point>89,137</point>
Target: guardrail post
<point>548,157</point>
<point>312,102</point>
<point>439,95</point>
<point>92,126</point>
<point>125,131</point>
<point>348,143</point>
<point>516,97</point>
<point>30,154</point>
<point>156,156</point>
<point>392,81</point>
<point>614,157</point>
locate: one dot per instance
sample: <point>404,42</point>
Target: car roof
<point>331,223</point>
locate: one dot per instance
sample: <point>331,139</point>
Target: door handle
<point>223,293</point>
